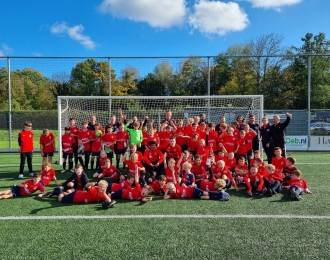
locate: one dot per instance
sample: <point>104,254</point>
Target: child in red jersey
<point>297,185</point>
<point>181,136</point>
<point>289,169</point>
<point>203,150</point>
<point>278,161</point>
<point>212,136</point>
<point>132,162</point>
<point>24,189</point>
<point>273,180</point>
<point>25,142</point>
<point>109,172</point>
<point>153,160</point>
<point>176,191</point>
<point>164,137</point>
<point>135,192</point>
<point>250,134</point>
<point>84,144</point>
<point>243,145</point>
<point>93,194</point>
<point>47,174</point>
<point>96,145</point>
<point>241,172</point>
<point>102,160</point>
<point>193,144</point>
<point>171,169</point>
<point>199,170</point>
<point>229,141</point>
<point>255,182</point>
<point>67,149</point>
<point>47,146</point>
<point>173,150</point>
<point>121,145</point>
<point>220,171</point>
<point>230,161</point>
<point>109,141</point>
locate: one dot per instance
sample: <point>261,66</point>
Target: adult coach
<point>264,131</point>
<point>277,132</point>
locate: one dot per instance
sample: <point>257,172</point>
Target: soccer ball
<point>98,133</point>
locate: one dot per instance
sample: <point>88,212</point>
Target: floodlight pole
<point>208,88</point>
<point>9,104</point>
<point>309,99</point>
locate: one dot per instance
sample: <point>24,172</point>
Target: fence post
<point>10,129</point>
<point>208,88</point>
<point>309,99</point>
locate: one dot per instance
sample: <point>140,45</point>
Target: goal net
<point>81,108</point>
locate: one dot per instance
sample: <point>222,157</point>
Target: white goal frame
<point>207,107</point>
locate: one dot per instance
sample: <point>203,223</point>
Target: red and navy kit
<point>30,186</point>
<point>75,134</point>
<point>132,193</point>
<point>111,172</point>
<point>67,143</point>
<point>48,143</point>
<point>25,141</point>
<point>219,173</point>
<point>183,192</point>
<point>298,182</point>
<point>187,178</point>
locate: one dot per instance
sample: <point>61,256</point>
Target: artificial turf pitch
<point>169,238</point>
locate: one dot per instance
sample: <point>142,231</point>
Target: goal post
<point>82,107</point>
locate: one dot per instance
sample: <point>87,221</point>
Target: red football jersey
<point>112,172</point>
<point>183,192</point>
<point>279,163</point>
<point>153,156</point>
<point>132,193</point>
<point>164,139</point>
<point>199,171</point>
<point>122,140</point>
<point>48,143</point>
<point>25,139</point>
<point>96,142</point>
<point>298,182</point>
<point>28,187</point>
<point>67,143</point>
<point>212,139</point>
<point>230,143</point>
<point>47,176</point>
<point>173,151</point>
<point>169,176</point>
<point>92,195</point>
<point>75,134</point>
<point>85,136</point>
<point>180,135</point>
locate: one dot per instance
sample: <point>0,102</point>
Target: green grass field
<point>4,140</point>
<point>170,238</point>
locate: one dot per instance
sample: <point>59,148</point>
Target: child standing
<point>25,142</point>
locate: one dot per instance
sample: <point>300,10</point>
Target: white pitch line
<point>225,216</point>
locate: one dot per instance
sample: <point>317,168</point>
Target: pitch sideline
<point>156,216</point>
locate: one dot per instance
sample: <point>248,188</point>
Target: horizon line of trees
<point>282,80</point>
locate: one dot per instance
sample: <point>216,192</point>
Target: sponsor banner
<point>296,142</point>
<point>320,143</point>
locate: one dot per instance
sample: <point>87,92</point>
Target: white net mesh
<point>81,108</point>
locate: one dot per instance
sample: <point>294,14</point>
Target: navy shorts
<point>68,198</point>
<point>198,193</point>
<point>15,191</point>
<point>48,154</point>
<point>116,195</point>
<point>95,153</point>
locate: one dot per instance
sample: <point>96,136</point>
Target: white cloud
<point>218,18</point>
<point>74,32</point>
<point>275,4</point>
<point>157,13</point>
<point>5,50</point>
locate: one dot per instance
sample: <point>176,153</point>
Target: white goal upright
<point>82,107</point>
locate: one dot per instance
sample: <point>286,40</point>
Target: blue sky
<point>152,27</point>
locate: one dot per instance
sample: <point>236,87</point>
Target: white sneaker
<point>31,174</point>
<point>20,176</point>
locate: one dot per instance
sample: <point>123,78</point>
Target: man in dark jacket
<point>264,130</point>
<point>277,132</point>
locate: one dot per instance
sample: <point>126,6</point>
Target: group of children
<point>182,160</point>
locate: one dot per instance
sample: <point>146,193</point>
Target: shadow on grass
<point>53,203</point>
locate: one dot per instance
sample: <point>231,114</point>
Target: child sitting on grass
<point>297,186</point>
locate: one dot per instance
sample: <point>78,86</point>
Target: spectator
<point>277,132</point>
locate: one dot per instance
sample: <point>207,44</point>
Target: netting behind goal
<point>81,108</point>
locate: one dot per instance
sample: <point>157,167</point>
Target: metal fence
<point>294,83</point>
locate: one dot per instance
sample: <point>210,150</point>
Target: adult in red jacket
<point>25,142</point>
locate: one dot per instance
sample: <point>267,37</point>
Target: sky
<point>152,27</point>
